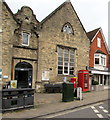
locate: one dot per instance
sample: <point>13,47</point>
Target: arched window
<point>67,28</point>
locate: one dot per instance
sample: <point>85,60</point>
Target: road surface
<point>99,110</point>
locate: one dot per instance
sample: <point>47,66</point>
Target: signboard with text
<point>45,75</point>
<point>13,83</point>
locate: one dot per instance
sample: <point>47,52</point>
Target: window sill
<point>25,44</point>
<point>24,47</point>
<point>65,75</point>
<point>100,65</point>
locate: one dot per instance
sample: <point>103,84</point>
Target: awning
<point>100,72</point>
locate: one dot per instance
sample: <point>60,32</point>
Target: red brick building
<point>99,56</point>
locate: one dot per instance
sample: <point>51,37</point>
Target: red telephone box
<point>73,80</point>
<point>83,80</point>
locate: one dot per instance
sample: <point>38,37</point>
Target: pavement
<point>48,103</point>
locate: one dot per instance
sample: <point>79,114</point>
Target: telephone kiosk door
<point>83,80</point>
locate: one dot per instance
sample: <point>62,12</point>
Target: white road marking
<point>101,107</point>
<point>96,111</point>
<point>68,111</point>
<point>93,107</point>
<point>105,111</point>
<point>100,116</point>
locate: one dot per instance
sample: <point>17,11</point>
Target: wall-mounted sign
<point>5,76</point>
<point>13,83</point>
<point>0,74</point>
<point>64,80</point>
<point>45,75</point>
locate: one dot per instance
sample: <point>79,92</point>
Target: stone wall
<point>8,27</point>
<point>12,48</point>
<point>28,24</point>
<point>51,36</point>
<point>24,53</point>
<point>44,38</point>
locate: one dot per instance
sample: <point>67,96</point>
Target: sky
<point>92,13</point>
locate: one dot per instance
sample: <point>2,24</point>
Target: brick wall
<point>94,47</point>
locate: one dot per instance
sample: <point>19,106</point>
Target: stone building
<point>19,45</point>
<point>35,53</point>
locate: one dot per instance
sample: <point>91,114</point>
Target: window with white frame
<point>65,61</point>
<point>25,38</point>
<point>100,59</point>
<point>97,61</point>
<point>98,42</point>
<point>103,60</point>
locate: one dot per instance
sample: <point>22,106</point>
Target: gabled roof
<point>10,11</point>
<point>14,15</point>
<point>23,7</point>
<point>51,14</point>
<point>62,5</point>
<point>92,33</point>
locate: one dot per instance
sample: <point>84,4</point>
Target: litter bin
<point>11,99</point>
<point>17,98</point>
<point>29,97</point>
<point>67,92</point>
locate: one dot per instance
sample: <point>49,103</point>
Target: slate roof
<point>92,33</point>
<point>99,51</point>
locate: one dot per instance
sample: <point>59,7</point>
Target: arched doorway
<point>23,75</point>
